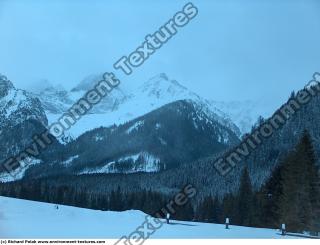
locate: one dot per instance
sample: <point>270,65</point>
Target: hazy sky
<point>233,50</point>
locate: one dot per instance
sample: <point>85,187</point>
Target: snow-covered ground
<point>28,219</point>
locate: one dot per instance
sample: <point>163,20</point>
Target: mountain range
<point>127,132</point>
<point>161,136</point>
<point>124,105</point>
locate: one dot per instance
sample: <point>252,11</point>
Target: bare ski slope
<point>28,219</point>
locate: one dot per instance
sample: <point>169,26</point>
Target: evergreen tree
<point>300,193</point>
<point>257,211</point>
<point>205,210</point>
<point>229,208</point>
<point>269,198</point>
<point>217,211</point>
<point>184,212</point>
<point>116,200</point>
<point>245,200</point>
<point>313,181</point>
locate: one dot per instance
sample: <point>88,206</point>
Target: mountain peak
<point>161,76</point>
<point>161,87</point>
<point>87,83</point>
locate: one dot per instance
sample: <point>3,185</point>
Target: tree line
<point>147,201</point>
<point>290,196</point>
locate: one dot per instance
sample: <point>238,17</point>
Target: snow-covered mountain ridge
<point>191,117</point>
<point>123,105</point>
<point>162,104</point>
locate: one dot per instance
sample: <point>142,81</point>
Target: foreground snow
<point>28,219</point>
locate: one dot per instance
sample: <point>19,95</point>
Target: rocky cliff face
<point>17,106</point>
<point>21,117</point>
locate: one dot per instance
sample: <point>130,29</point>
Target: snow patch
<point>19,173</point>
<point>135,126</point>
<point>132,157</point>
<point>162,141</point>
<point>69,160</point>
<point>98,138</point>
<point>158,126</point>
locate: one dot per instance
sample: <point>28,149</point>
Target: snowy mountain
<point>109,103</point>
<point>128,132</point>
<point>17,106</point>
<point>139,140</point>
<point>120,105</point>
<point>244,113</point>
<point>123,105</point>
<point>22,116</point>
<point>261,161</point>
<point>54,99</point>
<point>145,144</point>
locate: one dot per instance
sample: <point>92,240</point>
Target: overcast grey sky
<point>233,49</point>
